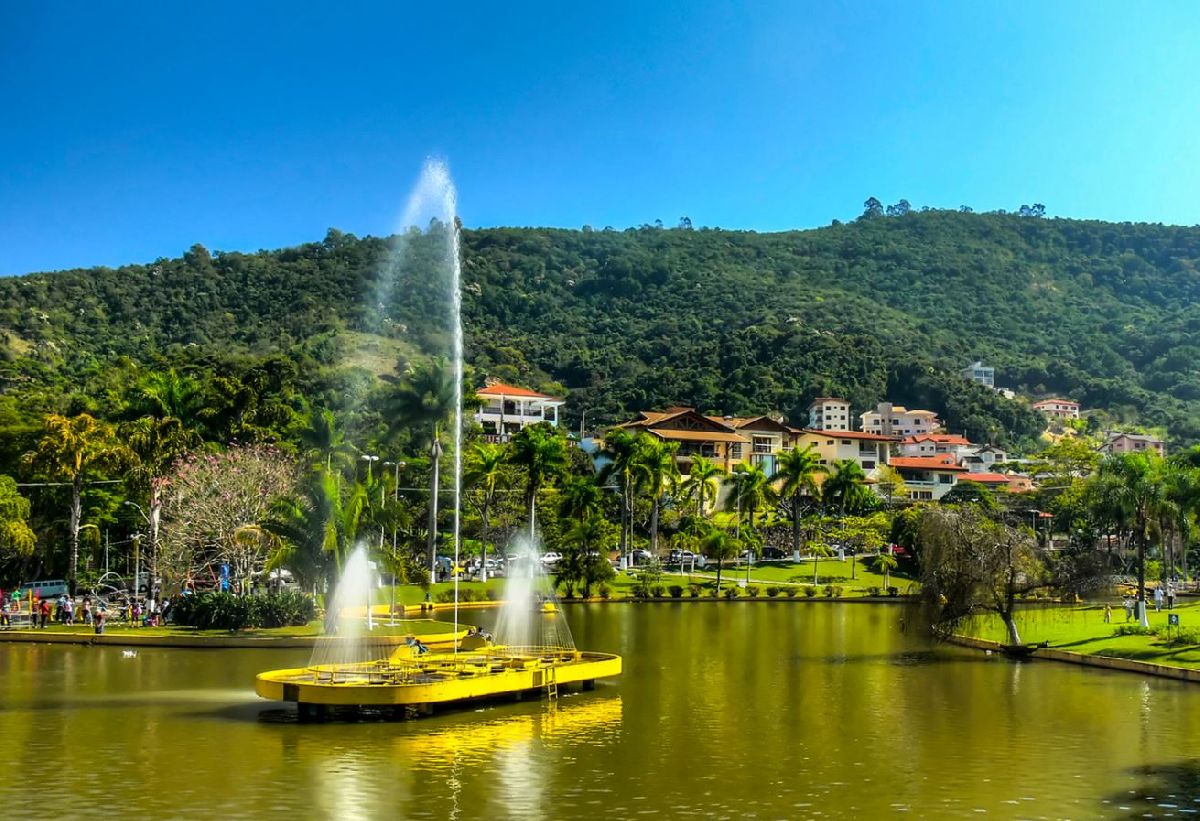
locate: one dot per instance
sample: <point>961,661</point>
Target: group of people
<point>69,611</point>
<point>1163,594</point>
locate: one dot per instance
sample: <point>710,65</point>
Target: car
<point>641,556</point>
<point>773,554</point>
<point>551,558</point>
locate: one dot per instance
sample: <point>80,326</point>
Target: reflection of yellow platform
<point>437,678</point>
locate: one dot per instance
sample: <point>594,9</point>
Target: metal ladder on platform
<point>551,686</point>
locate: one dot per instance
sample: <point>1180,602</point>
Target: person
<point>1107,613</point>
<point>87,610</point>
<point>1158,598</point>
<point>44,613</point>
<point>1128,608</point>
<point>98,621</point>
<point>1170,595</point>
<point>137,614</point>
<point>4,605</point>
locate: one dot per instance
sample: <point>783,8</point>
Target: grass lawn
<point>1082,629</point>
<point>829,571</point>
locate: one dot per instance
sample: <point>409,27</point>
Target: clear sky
<point>130,130</point>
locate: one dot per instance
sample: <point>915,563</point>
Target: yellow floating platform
<point>437,678</point>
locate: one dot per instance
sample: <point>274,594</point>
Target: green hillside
<point>732,322</point>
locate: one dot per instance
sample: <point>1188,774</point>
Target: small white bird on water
<point>129,654</point>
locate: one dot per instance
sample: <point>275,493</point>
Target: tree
<point>584,563</point>
<point>580,497</point>
<point>703,481</point>
<point>211,500</point>
<point>750,492</point>
<point>484,474</point>
<point>970,564</point>
<point>872,208</point>
<point>621,448</point>
<point>656,471</point>
<point>541,450</point>
<point>73,449</point>
<point>1138,494</point>
<point>847,487</point>
<point>719,545</point>
<point>423,401</point>
<point>798,471</point>
<point>16,537</point>
<point>324,440</point>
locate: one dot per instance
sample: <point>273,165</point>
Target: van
<point>45,589</point>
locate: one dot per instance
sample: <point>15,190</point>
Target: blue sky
<point>132,130</point>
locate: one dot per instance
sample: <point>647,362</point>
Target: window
<point>868,465</point>
<point>846,442</point>
<point>945,479</point>
<point>735,451</point>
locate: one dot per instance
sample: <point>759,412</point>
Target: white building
<point>829,413</point>
<point>983,374</point>
<point>928,478</point>
<point>507,409</point>
<point>1132,443</point>
<point>896,420</point>
<point>934,444</point>
<point>1061,408</point>
<point>983,459</point>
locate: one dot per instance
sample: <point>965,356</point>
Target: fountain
<point>534,650</point>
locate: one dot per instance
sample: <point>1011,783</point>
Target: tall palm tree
<point>847,486</point>
<point>798,471</point>
<point>424,401</point>
<point>484,473</point>
<point>655,472</point>
<point>580,497</point>
<point>703,481</point>
<point>719,545</point>
<point>73,448</point>
<point>1139,493</point>
<point>621,448</point>
<point>751,492</point>
<point>541,450</point>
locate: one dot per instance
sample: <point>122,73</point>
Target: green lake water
<point>785,709</point>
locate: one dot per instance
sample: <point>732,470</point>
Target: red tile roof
<point>943,462</point>
<point>985,478</point>
<point>1055,402</point>
<point>500,389</point>
<point>939,438</point>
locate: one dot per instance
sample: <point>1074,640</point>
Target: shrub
<point>604,590</point>
<point>1132,630</point>
<point>640,589</point>
<point>493,594</point>
<point>752,591</point>
<point>874,590</point>
<point>225,611</point>
<point>1179,636</point>
<point>791,591</point>
<point>657,591</point>
<point>810,590</point>
<point>676,591</point>
<point>832,591</point>
<point>731,592</point>
<point>772,591</point>
<point>893,591</point>
<point>444,596</point>
<point>828,591</point>
<point>694,590</point>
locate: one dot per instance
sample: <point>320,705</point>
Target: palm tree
<point>703,481</point>
<point>655,471</point>
<point>719,545</point>
<point>72,448</point>
<point>1139,494</point>
<point>585,540</point>
<point>621,448</point>
<point>324,440</point>
<point>847,486</point>
<point>484,473</point>
<point>317,529</point>
<point>542,451</point>
<point>798,470</point>
<point>580,498</point>
<point>423,401</point>
<point>885,563</point>
<point>752,491</point>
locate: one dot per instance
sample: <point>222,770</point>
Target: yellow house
<point>870,450</point>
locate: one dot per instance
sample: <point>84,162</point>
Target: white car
<point>551,558</point>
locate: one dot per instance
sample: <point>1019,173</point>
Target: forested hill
<point>732,322</point>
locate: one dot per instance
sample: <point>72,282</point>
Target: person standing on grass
<point>44,612</point>
<point>1158,598</point>
<point>1170,595</point>
<point>1107,613</point>
<point>1128,609</point>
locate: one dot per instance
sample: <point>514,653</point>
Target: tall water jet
<point>347,614</point>
<point>530,616</point>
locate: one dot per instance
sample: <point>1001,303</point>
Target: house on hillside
<point>697,435</point>
<point>994,481</point>
<point>932,444</point>
<point>896,420</point>
<point>983,374</point>
<point>829,413</point>
<point>928,478</point>
<point>870,450</point>
<point>1058,408</point>
<point>1132,443</point>
<point>507,409</point>
<point>768,438</point>
<point>983,458</point>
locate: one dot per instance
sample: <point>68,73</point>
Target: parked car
<point>773,554</point>
<point>551,558</point>
<point>641,556</point>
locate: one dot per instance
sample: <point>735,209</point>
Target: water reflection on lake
<point>786,709</point>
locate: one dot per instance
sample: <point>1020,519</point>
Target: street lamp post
<point>137,540</point>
